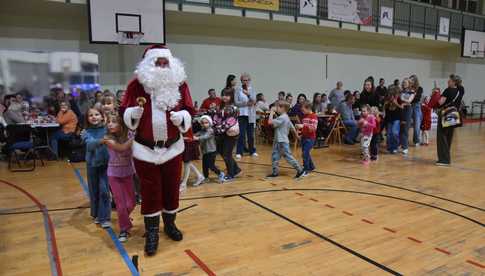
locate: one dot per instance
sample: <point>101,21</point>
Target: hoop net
<point>130,38</point>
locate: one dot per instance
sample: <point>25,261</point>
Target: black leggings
<point>225,147</point>
<point>209,163</point>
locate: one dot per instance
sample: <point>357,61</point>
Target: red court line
<point>367,221</point>
<point>414,240</point>
<point>329,206</point>
<point>200,263</point>
<point>347,213</point>
<point>475,264</point>
<point>52,232</point>
<point>312,199</point>
<point>442,251</point>
<point>389,230</point>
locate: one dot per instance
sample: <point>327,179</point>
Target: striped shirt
<point>310,123</point>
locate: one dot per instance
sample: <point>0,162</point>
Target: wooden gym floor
<point>399,216</point>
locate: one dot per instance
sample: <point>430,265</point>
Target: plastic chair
<point>20,148</point>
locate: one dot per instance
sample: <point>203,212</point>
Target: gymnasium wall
<point>280,56</point>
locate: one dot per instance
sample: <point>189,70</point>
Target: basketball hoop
<point>129,38</point>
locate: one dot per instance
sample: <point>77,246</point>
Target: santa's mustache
<point>155,77</point>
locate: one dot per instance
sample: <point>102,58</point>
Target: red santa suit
<point>158,142</point>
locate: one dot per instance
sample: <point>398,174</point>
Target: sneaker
<point>417,145</point>
<point>405,151</point>
<point>123,236</point>
<point>272,175</point>
<point>300,174</point>
<point>106,224</point>
<point>221,177</point>
<point>228,178</point>
<point>199,181</point>
<point>238,157</point>
<point>365,162</point>
<point>442,164</point>
<point>255,154</point>
<point>374,158</point>
<point>183,187</point>
<point>96,221</point>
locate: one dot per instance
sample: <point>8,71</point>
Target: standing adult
<point>407,96</point>
<point>381,93</point>
<point>452,96</point>
<point>158,105</point>
<point>368,95</point>
<point>337,94</point>
<point>289,99</point>
<point>231,83</point>
<point>245,99</point>
<point>348,118</point>
<point>417,115</point>
<point>211,102</point>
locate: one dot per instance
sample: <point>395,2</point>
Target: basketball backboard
<point>109,18</point>
<point>473,44</point>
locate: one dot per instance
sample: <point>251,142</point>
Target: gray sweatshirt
<point>207,140</point>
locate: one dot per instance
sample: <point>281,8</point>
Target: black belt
<point>157,144</point>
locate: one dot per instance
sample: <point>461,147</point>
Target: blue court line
<point>121,249</point>
<point>49,242</point>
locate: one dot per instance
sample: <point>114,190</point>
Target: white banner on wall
<point>308,7</point>
<point>354,11</point>
<point>387,15</point>
<point>444,26</point>
<point>199,1</point>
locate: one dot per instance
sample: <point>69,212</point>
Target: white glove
<point>176,117</point>
<point>136,112</point>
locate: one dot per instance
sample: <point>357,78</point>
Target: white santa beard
<point>163,86</point>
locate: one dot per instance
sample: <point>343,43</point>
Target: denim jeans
<point>406,124</point>
<point>417,118</point>
<point>99,193</point>
<point>283,149</point>
<point>246,129</point>
<point>306,147</point>
<point>352,131</point>
<point>393,128</point>
<point>59,135</point>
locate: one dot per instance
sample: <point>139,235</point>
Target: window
<point>472,6</point>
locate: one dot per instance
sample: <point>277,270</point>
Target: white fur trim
<point>129,121</point>
<point>170,212</point>
<point>159,123</point>
<point>153,214</point>
<point>158,53</point>
<point>187,121</point>
<point>157,156</point>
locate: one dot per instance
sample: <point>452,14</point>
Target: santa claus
<point>157,104</point>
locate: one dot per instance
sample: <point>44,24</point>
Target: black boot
<point>170,228</point>
<point>152,226</point>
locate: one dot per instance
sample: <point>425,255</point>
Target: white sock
<point>194,169</point>
<point>186,174</point>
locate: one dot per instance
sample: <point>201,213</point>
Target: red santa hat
<point>157,51</point>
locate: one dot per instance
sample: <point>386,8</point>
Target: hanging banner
<point>308,7</point>
<point>353,11</point>
<point>387,15</point>
<point>444,26</point>
<point>269,5</point>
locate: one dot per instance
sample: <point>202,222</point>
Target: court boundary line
<point>321,236</point>
<point>54,259</point>
<point>376,183</point>
<point>119,247</point>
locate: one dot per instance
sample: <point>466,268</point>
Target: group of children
<point>109,166</point>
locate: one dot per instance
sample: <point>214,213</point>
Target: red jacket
<point>310,123</point>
